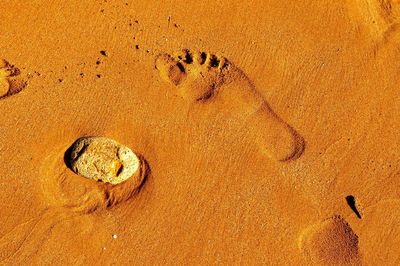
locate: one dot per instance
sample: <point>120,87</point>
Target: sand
<point>269,132</point>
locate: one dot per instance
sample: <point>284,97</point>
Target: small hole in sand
<point>214,61</point>
<point>188,58</point>
<point>203,57</point>
<point>351,201</point>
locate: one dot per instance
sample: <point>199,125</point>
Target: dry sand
<point>276,146</point>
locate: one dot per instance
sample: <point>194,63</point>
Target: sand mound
<point>331,242</point>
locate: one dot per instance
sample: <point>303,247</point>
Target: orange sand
<point>256,172</point>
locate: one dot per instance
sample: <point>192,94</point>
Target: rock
<point>103,159</point>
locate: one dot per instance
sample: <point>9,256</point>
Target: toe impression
<point>170,70</point>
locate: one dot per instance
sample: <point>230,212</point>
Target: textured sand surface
<point>286,155</point>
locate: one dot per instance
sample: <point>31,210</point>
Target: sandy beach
<point>261,132</point>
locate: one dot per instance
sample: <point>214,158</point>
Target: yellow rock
<point>103,159</point>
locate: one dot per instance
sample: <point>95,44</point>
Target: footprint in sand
<point>330,242</point>
<point>380,17</point>
<point>9,84</point>
<point>202,78</point>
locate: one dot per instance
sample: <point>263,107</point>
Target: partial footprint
<point>381,17</point>
<point>9,83</point>
<point>330,242</point>
<point>201,77</point>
